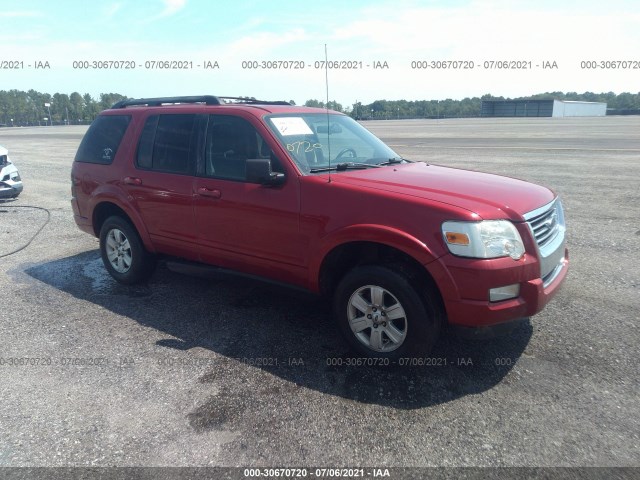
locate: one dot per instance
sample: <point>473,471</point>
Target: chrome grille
<point>547,224</point>
<point>548,228</point>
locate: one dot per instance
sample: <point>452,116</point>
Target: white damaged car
<point>10,181</point>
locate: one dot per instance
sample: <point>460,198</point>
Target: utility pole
<point>48,105</point>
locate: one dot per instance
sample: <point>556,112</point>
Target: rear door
<point>162,183</point>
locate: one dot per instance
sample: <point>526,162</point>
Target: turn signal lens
<point>456,238</point>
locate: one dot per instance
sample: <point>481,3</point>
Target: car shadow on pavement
<point>251,325</point>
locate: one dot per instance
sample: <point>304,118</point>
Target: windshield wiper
<point>340,167</point>
<point>395,160</point>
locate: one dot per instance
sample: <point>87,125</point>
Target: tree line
<point>469,107</point>
<point>19,108</point>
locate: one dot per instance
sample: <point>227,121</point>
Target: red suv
<point>310,198</point>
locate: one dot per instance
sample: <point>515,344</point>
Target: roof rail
<point>206,99</point>
<point>156,102</point>
<point>252,101</point>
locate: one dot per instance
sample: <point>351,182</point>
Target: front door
<point>246,226</point>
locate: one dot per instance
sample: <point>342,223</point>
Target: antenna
<point>326,81</point>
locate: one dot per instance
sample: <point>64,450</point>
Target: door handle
<point>206,192</point>
<point>132,181</point>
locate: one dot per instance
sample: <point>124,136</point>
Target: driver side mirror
<point>259,171</point>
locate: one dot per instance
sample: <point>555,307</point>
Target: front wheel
<point>382,315</point>
<point>123,253</point>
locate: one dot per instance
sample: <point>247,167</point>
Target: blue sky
<point>396,32</point>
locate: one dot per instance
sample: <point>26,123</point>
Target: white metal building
<point>542,108</point>
<point>566,108</point>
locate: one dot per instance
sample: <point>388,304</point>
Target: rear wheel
<point>382,315</point>
<point>123,253</point>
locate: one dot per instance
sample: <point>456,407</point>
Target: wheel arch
<point>374,245</point>
<point>107,208</point>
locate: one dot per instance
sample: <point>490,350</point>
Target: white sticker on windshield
<point>292,126</point>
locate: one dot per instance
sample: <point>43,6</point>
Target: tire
<point>381,315</point>
<point>123,253</point>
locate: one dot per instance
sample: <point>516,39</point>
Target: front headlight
<point>486,239</point>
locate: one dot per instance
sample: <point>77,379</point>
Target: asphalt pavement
<point>226,371</point>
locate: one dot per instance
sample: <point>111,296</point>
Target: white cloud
<point>110,10</point>
<point>486,29</point>
<point>172,6</point>
<point>477,31</point>
<point>259,44</point>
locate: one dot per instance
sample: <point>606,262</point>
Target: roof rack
<point>156,102</point>
<point>206,99</point>
<point>252,101</point>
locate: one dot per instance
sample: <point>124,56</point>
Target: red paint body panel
<point>480,313</point>
<point>489,196</point>
<point>286,232</point>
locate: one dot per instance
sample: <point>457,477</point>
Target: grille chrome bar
<point>546,225</point>
<point>548,229</point>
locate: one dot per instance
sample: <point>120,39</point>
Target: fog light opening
<point>504,293</point>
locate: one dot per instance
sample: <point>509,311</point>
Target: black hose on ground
<point>35,234</point>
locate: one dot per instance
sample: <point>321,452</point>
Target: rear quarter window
<point>167,144</point>
<point>100,143</point>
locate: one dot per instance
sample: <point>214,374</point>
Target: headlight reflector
<point>486,239</point>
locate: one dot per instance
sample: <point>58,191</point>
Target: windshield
<point>317,143</point>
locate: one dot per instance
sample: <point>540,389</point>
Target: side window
<point>102,139</point>
<point>166,144</point>
<point>145,147</point>
<point>230,142</point>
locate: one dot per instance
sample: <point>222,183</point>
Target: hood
<point>489,196</point>
<point>8,168</point>
<point>3,151</point>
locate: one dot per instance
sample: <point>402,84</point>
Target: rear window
<point>100,143</point>
<point>166,144</point>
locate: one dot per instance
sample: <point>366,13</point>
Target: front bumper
<point>10,189</point>
<point>468,284</point>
